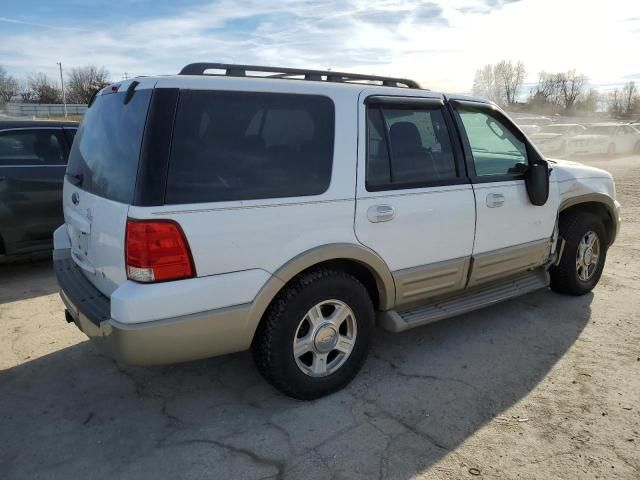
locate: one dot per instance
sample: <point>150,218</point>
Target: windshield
<point>601,130</point>
<point>105,152</point>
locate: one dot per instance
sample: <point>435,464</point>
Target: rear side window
<point>242,146</point>
<point>407,148</point>
<point>32,147</point>
<point>106,148</point>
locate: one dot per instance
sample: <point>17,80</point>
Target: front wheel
<point>583,257</point>
<point>315,336</point>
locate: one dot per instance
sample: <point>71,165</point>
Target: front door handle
<point>495,200</point>
<point>380,213</point>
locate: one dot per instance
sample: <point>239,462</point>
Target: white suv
<point>289,211</point>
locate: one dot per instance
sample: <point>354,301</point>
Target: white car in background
<point>530,129</point>
<point>609,138</point>
<point>552,139</point>
<point>540,121</point>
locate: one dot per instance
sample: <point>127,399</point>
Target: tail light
<point>157,251</point>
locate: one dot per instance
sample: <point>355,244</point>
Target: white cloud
<point>438,43</point>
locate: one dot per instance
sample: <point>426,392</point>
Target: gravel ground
<point>542,387</point>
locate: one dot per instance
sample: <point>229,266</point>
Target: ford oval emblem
<point>75,198</point>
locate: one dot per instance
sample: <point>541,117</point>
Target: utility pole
<point>64,95</point>
<point>126,76</point>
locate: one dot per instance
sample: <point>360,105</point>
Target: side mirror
<point>536,179</point>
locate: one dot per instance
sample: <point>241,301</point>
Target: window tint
<point>496,151</point>
<point>418,151</point>
<point>31,147</point>
<point>70,133</point>
<point>106,148</point>
<point>241,146</point>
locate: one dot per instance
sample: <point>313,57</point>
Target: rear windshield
<point>106,147</point>
<point>241,146</point>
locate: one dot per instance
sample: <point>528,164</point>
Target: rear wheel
<point>316,334</point>
<point>583,257</point>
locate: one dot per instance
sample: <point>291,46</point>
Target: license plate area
<point>81,243</point>
<point>80,236</point>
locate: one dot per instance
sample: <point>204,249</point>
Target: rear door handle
<point>380,213</point>
<point>495,200</point>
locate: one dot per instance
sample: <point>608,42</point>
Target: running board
<point>467,301</point>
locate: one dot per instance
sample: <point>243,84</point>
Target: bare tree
<point>614,102</point>
<point>25,91</point>
<point>499,83</point>
<point>510,77</point>
<point>8,86</point>
<point>589,103</point>
<point>546,91</point>
<point>571,87</point>
<point>485,85</point>
<point>44,89</point>
<point>82,82</point>
<point>559,91</point>
<point>629,97</point>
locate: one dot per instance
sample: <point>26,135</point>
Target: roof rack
<point>232,70</point>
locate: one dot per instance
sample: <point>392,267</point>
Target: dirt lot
<point>541,387</point>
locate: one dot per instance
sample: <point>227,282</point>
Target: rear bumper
<point>171,340</point>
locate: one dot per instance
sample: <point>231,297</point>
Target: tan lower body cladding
<point>419,284</point>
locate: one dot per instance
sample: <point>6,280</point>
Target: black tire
<point>564,276</point>
<point>272,347</point>
<point>611,149</point>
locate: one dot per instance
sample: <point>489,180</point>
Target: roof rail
<point>233,70</point>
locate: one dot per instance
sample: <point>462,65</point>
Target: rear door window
<point>32,147</point>
<point>242,146</point>
<point>408,148</point>
<point>106,148</point>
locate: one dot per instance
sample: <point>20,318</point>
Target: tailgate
<point>101,178</point>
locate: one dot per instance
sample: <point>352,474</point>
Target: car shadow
<point>77,414</point>
<point>24,279</point>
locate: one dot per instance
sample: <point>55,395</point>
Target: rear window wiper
<point>75,178</point>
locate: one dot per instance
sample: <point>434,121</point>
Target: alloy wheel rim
<point>587,256</point>
<point>325,338</point>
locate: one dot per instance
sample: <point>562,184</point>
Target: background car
<point>33,158</point>
<point>552,139</point>
<point>530,129</point>
<point>534,120</point>
<point>609,138</point>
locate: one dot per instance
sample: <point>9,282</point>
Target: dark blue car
<point>33,158</point>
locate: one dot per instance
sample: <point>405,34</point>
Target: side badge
<point>75,198</point>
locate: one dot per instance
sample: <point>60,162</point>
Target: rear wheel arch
<point>360,262</point>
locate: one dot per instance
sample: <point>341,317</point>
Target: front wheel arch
<point>599,205</point>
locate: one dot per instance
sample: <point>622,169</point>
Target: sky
<point>439,43</point>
